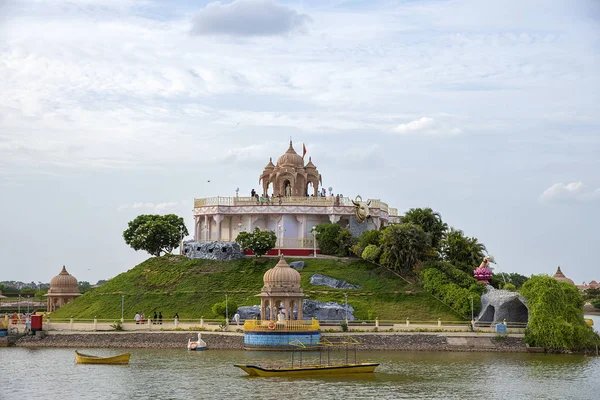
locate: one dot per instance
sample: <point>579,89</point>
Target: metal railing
<point>255,325</point>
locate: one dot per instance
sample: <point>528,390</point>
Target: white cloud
<point>573,191</point>
<point>425,126</point>
<point>248,18</point>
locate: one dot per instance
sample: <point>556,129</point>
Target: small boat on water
<point>322,368</point>
<point>196,345</point>
<point>89,359</point>
<point>589,322</point>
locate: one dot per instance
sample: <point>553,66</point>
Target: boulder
<point>212,250</point>
<point>298,265</point>
<point>498,305</point>
<point>326,311</point>
<point>248,312</point>
<point>322,280</point>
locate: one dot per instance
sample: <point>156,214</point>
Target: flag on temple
<point>303,150</point>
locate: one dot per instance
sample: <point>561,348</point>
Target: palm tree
<point>430,221</point>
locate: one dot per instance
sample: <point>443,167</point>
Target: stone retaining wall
<point>235,341</point>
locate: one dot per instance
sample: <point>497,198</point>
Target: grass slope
<point>173,284</point>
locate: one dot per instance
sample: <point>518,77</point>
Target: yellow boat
<point>323,368</point>
<point>589,322</point>
<point>308,370</point>
<point>89,359</point>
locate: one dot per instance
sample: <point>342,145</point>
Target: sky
<point>485,111</point>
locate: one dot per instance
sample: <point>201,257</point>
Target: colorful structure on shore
<point>290,204</point>
<point>63,289</point>
<point>281,320</point>
<point>483,273</point>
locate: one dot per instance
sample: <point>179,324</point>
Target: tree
<point>430,221</point>
<point>464,252</point>
<point>369,238</point>
<point>155,233</point>
<point>83,286</point>
<point>404,245</point>
<point>516,279</point>
<point>221,309</point>
<point>260,242</point>
<point>556,315</point>
<point>327,237</point>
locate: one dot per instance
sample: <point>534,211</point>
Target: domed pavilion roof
<point>559,276</point>
<point>282,279</point>
<point>291,158</point>
<point>63,283</point>
<point>270,165</point>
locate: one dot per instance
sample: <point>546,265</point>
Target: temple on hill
<point>291,202</point>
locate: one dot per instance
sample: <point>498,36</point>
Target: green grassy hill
<point>173,284</point>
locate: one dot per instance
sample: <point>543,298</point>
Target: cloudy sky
<point>486,111</point>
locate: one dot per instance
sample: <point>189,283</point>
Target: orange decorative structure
<point>63,289</point>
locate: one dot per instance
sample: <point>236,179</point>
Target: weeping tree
<point>556,315</point>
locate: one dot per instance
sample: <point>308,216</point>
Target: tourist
<point>160,317</point>
<point>137,317</point>
<point>252,193</point>
<point>154,321</point>
<point>267,198</point>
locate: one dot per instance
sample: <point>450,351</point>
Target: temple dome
<point>270,165</point>
<point>282,277</point>
<point>63,283</point>
<point>290,157</point>
<point>559,276</point>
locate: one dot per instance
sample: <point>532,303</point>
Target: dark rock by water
<point>212,250</point>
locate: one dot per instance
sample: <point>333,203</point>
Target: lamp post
<point>181,241</point>
<point>346,297</point>
<point>226,310</point>
<point>27,304</point>
<point>278,239</point>
<point>122,307</point>
<point>314,233</point>
<point>472,315</point>
<point>19,305</point>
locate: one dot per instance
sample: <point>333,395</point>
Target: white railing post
<point>71,324</point>
<point>439,322</point>
<point>407,322</point>
<point>376,322</point>
<point>202,322</point>
<point>95,323</point>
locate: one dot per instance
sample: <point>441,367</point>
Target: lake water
<point>178,374</point>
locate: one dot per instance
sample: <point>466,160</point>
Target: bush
<point>219,309</point>
<point>327,235</point>
<point>260,242</point>
<point>509,286</point>
<point>556,315</point>
<point>596,302</point>
<point>459,298</point>
<point>371,253</point>
<point>369,238</point>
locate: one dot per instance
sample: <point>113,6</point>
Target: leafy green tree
<point>430,221</point>
<point>369,238</point>
<point>83,286</point>
<point>327,238</point>
<point>155,233</point>
<point>509,286</point>
<point>462,251</point>
<point>404,245</point>
<point>344,241</point>
<point>556,315</point>
<point>595,302</point>
<point>219,309</point>
<point>260,242</point>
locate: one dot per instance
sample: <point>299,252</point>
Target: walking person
<point>137,318</point>
<point>160,317</point>
<point>154,320</point>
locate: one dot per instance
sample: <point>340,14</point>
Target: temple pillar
<point>218,219</point>
<point>206,227</point>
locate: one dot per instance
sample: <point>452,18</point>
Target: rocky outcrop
<point>212,250</point>
<point>499,305</point>
<point>326,311</point>
<point>248,312</point>
<point>298,265</point>
<point>322,280</point>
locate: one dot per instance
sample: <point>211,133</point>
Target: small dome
<point>559,276</point>
<point>63,283</point>
<point>270,165</point>
<point>310,164</point>
<point>282,277</point>
<point>290,157</point>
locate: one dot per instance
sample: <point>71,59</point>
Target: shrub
<point>371,253</point>
<point>117,326</point>
<point>509,286</point>
<point>219,309</point>
<point>327,237</point>
<point>260,242</point>
<point>596,302</point>
<point>369,238</point>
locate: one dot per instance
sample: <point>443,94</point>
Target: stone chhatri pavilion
<point>281,290</point>
<point>294,206</point>
<point>559,276</point>
<point>63,289</point>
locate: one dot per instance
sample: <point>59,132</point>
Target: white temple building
<point>291,205</point>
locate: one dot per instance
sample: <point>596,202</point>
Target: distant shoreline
<point>235,341</point>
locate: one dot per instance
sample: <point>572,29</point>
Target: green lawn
<point>191,287</point>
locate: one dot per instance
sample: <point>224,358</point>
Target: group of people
<point>141,318</point>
